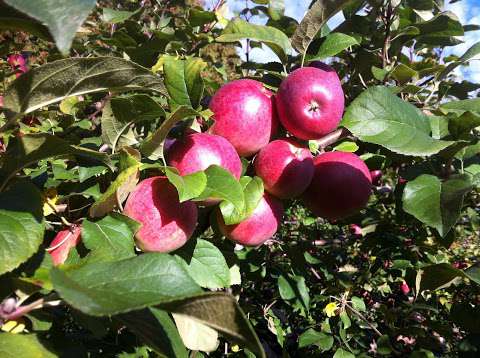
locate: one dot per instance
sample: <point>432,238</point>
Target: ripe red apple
<point>340,186</point>
<point>167,224</point>
<point>285,167</point>
<point>63,242</point>
<point>376,176</point>
<point>259,227</point>
<point>197,151</point>
<point>244,113</point>
<point>310,102</point>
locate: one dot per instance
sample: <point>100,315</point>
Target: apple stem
<point>332,137</point>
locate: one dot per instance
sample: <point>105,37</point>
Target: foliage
<point>86,108</point>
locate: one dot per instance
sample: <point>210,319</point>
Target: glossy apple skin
<point>341,185</point>
<point>244,113</point>
<point>63,242</point>
<point>310,102</point>
<point>167,224</point>
<point>197,151</point>
<point>286,168</point>
<point>259,227</point>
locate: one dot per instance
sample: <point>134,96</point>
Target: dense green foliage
<point>89,95</point>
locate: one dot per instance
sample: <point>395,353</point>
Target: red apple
<point>244,113</point>
<point>167,224</point>
<point>63,242</point>
<point>310,102</point>
<point>340,186</point>
<point>285,167</point>
<point>258,227</point>
<point>376,176</point>
<point>197,151</point>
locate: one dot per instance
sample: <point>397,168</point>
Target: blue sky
<point>468,12</point>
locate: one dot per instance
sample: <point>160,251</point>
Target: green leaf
<point>333,45</point>
<point>384,347</point>
<point>55,81</point>
<point>238,29</point>
<point>467,56</point>
<point>461,125</point>
<point>472,104</point>
<point>435,203</point>
<point>378,116</point>
<point>287,292</point>
<point>188,186</point>
<point>341,353</point>
<point>302,290</point>
<point>347,323</point>
<point>11,19</point>
<point>316,17</point>
<point>221,184</point>
<point>57,16</point>
<point>21,225</point>
<point>118,190</point>
<point>221,312</point>
<point>403,74</point>
<point>473,273</point>
<point>107,288</point>
<point>120,113</point>
<point>117,16</point>
<point>109,239</point>
<point>358,304</point>
<point>435,277</point>
<point>350,147</point>
<point>155,328</point>
<point>23,345</point>
<point>440,30</point>
<point>198,17</point>
<point>152,147</point>
<point>208,266</point>
<point>183,80</point>
<point>312,337</point>
<point>252,193</point>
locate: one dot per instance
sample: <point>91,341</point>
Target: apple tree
<point>163,194</point>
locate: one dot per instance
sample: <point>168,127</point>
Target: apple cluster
<point>309,104</point>
<point>246,118</point>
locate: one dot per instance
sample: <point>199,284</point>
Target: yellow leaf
<point>330,309</point>
<point>50,198</point>
<point>14,326</point>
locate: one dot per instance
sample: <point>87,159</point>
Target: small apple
<point>285,167</point>
<point>310,102</point>
<point>197,151</point>
<point>258,227</point>
<point>355,230</point>
<point>63,242</point>
<point>404,288</point>
<point>167,224</point>
<point>376,176</point>
<point>244,113</point>
<point>341,185</point>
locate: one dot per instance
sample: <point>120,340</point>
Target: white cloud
<point>468,12</point>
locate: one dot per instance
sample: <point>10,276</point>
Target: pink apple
<point>340,186</point>
<point>310,102</point>
<point>197,151</point>
<point>286,168</point>
<point>244,113</point>
<point>167,224</point>
<point>355,230</point>
<point>63,242</point>
<point>259,227</point>
<point>404,287</point>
